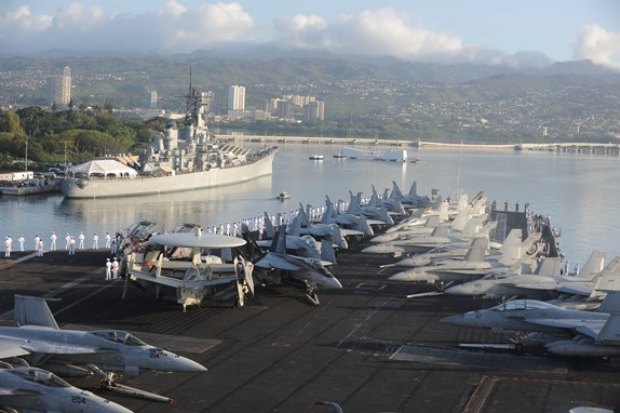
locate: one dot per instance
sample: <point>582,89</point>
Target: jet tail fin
<point>511,248</point>
<point>477,250</point>
<point>550,266</point>
<point>269,226</point>
<point>460,221</point>
<point>462,203</point>
<point>327,251</point>
<point>432,221</point>
<point>610,333</point>
<point>593,265</point>
<point>33,311</point>
<point>294,228</point>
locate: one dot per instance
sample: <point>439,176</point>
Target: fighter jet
<point>166,254</point>
<point>346,220</point>
<point>34,389</point>
<point>509,252</point>
<point>320,230</point>
<point>370,211</point>
<point>531,316</point>
<point>38,338</point>
<point>280,267</point>
<point>412,199</point>
<point>301,245</point>
<point>439,238</point>
<point>546,281</point>
<point>596,334</point>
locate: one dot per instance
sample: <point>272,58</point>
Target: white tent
<point>102,168</point>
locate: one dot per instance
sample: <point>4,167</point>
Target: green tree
<point>10,122</point>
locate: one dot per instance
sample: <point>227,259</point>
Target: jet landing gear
<point>311,294</point>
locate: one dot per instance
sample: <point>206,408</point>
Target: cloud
<point>380,32</point>
<point>599,45</point>
<point>174,28</point>
<point>386,32</point>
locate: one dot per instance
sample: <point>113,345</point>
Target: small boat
<point>316,157</point>
<point>283,195</point>
<point>339,156</point>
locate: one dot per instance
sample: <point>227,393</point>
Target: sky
<point>514,32</point>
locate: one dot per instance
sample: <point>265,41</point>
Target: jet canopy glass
<point>122,337</point>
<point>39,376</point>
<point>523,305</point>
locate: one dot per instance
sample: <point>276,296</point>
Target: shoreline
<point>551,146</point>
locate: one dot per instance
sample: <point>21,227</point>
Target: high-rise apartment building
<point>60,87</point>
<point>236,101</point>
<point>314,110</point>
<point>152,99</point>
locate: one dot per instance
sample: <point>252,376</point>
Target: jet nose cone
<point>455,320</point>
<point>186,365</point>
<point>335,283</point>
<point>403,276</point>
<point>170,361</point>
<point>373,249</point>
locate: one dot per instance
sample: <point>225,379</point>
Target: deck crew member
<point>81,237</point>
<point>21,241</point>
<point>108,240</point>
<point>71,246</point>
<point>68,239</point>
<point>53,238</point>
<point>95,241</point>
<point>114,269</point>
<point>7,247</point>
<point>40,248</point>
<point>108,269</point>
<point>37,238</point>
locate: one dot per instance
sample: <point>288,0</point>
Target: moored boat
<point>40,184</point>
<point>316,157</point>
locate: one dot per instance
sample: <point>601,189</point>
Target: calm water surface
<point>580,191</point>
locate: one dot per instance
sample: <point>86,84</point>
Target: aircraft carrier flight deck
<point>365,347</point>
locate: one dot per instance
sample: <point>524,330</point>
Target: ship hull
<point>109,188</point>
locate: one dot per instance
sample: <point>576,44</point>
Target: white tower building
<point>236,101</point>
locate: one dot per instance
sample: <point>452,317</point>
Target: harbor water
<point>579,191</point>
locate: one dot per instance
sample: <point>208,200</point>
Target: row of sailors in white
<point>258,223</point>
<point>253,224</point>
<point>70,243</point>
<point>8,245</point>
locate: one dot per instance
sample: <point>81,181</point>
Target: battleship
<point>173,162</point>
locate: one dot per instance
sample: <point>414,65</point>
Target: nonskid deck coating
<point>280,354</point>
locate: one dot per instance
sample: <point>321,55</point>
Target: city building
<point>314,110</point>
<point>60,87</point>
<point>151,99</point>
<point>236,101</point>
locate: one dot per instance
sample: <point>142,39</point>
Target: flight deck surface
<point>365,347</point>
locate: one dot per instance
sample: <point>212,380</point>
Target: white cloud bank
<point>599,45</point>
<point>177,28</point>
<point>174,28</point>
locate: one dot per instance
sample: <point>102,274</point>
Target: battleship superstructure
<point>172,163</point>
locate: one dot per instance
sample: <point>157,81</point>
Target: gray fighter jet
<point>37,338</point>
<point>546,281</point>
<point>34,389</point>
<point>595,334</point>
<point>279,267</point>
